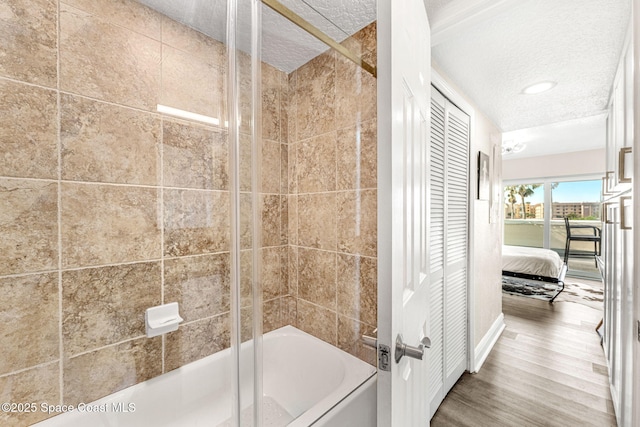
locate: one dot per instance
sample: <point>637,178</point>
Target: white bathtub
<point>306,381</point>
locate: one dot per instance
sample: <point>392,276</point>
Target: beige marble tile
<point>106,305</point>
<point>187,155</point>
<point>105,143</point>
<point>246,221</point>
<point>317,321</point>
<point>28,226</point>
<point>315,97</point>
<point>357,222</point>
<point>364,43</point>
<point>195,222</point>
<point>39,384</point>
<point>246,278</point>
<point>357,284</point>
<point>193,341</point>
<point>357,157</point>
<point>292,166</point>
<point>284,220</point>
<point>28,42</point>
<point>290,311</point>
<point>270,220</point>
<point>292,219</point>
<point>284,169</point>
<point>368,36</point>
<point>273,278</point>
<point>270,167</point>
<point>271,113</point>
<point>105,224</point>
<point>28,131</point>
<point>271,76</point>
<point>316,69</point>
<point>316,164</point>
<point>350,334</point>
<point>317,277</point>
<point>245,161</point>
<point>220,160</point>
<point>193,84</point>
<point>182,37</point>
<point>93,375</point>
<point>108,62</point>
<point>130,14</point>
<point>273,316</point>
<point>29,334</point>
<point>290,109</point>
<point>317,221</point>
<point>356,94</point>
<point>285,106</point>
<point>292,252</point>
<point>245,91</point>
<point>200,285</point>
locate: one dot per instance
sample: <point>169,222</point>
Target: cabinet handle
<point>605,213</point>
<point>621,157</point>
<point>623,221</point>
<point>605,188</point>
<point>607,182</point>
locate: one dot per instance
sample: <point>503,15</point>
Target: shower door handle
<point>403,349</point>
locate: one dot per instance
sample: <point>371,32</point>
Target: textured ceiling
<point>284,45</point>
<point>564,137</point>
<point>576,43</point>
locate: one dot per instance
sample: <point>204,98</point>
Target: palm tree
<point>525,191</point>
<point>511,197</point>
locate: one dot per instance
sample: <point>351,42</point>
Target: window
<point>524,215</point>
<point>534,215</point>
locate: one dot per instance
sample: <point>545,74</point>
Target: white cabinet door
<point>448,246</point>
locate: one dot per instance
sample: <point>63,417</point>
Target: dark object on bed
<point>593,237</point>
<point>556,280</point>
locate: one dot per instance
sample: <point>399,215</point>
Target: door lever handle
<point>403,349</point>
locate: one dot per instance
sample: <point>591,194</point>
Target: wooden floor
<point>547,369</point>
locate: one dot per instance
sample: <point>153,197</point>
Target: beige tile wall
<point>332,206</point>
<point>110,207</point>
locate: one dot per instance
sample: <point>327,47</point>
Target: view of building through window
<point>525,222</point>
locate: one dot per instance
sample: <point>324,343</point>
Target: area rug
<point>580,293</point>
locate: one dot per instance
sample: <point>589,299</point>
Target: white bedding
<point>535,261</point>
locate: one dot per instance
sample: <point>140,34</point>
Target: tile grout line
<point>335,177</point>
<point>59,243</point>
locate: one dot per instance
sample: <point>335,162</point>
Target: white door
<point>403,137</point>
<point>448,246</point>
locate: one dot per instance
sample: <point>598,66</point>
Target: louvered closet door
<point>448,242</point>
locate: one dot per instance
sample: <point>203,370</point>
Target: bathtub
<point>305,381</point>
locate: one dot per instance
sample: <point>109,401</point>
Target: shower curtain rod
<point>309,28</point>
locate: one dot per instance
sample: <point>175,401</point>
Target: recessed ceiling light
<point>538,88</point>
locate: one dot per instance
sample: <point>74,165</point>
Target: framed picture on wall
<point>484,180</point>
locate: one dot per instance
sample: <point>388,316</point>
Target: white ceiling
<point>493,49</point>
<point>563,137</point>
<point>284,45</point>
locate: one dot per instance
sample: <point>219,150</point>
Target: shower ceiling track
<point>309,28</point>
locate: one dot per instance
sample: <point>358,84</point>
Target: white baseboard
<point>483,349</point>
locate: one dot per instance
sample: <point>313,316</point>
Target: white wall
<point>566,164</point>
<point>486,238</point>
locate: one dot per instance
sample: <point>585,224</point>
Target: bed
<point>534,264</point>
